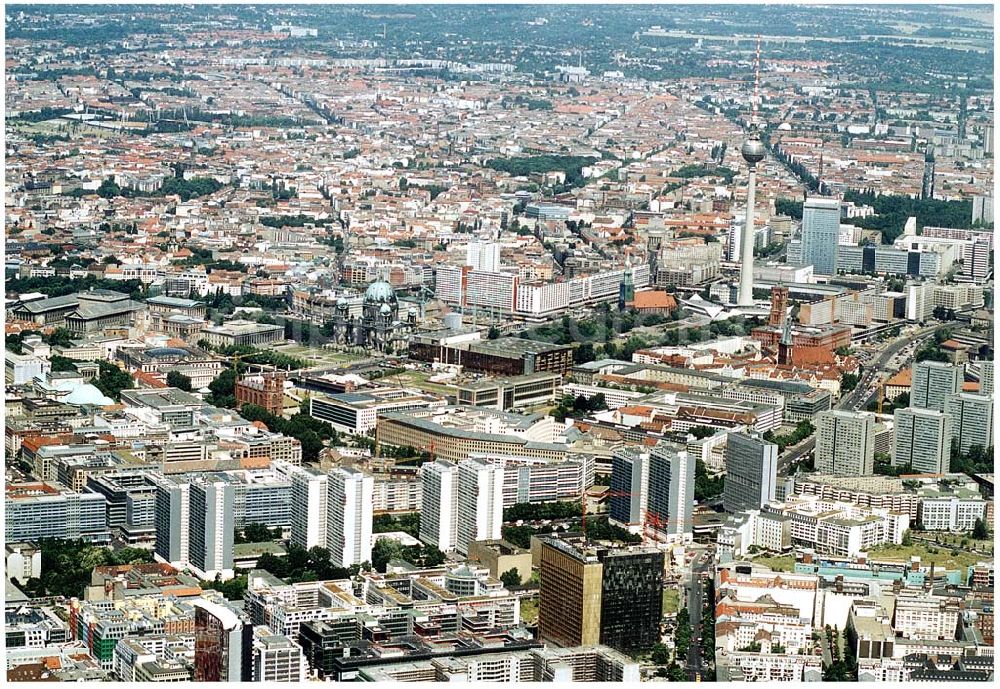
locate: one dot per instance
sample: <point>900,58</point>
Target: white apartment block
<point>480,502</point>
<point>483,256</point>
<point>922,616</point>
<point>349,517</point>
<point>396,495</point>
<point>922,440</point>
<point>771,667</point>
<point>951,513</point>
<point>276,658</point>
<point>310,493</point>
<point>840,528</point>
<point>845,443</point>
<point>439,516</point>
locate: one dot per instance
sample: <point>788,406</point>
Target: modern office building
<point>986,378</point>
<point>439,516</point>
<point>631,599</point>
<point>933,382</point>
<point>483,256</point>
<point>922,440</point>
<point>671,491</point>
<point>276,658</point>
<point>820,234</point>
<point>39,510</point>
<point>194,523</point>
<point>310,493</point>
<point>349,516</point>
<point>971,420</point>
<point>357,412</point>
<point>653,491</point>
<point>221,641</point>
<point>211,527</point>
<point>845,443</point>
<point>629,485</point>
<point>751,472</point>
<point>480,502</point>
<point>591,594</point>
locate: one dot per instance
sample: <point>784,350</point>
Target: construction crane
<point>649,519</point>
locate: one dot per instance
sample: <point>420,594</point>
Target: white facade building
<point>349,517</point>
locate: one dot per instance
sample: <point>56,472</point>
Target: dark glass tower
<point>631,599</point>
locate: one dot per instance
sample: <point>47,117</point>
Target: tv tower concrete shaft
<point>746,245</point>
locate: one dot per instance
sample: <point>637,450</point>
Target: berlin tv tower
<point>753,152</point>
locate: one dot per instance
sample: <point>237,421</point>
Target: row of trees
<point>578,406</point>
<point>803,430</point>
<point>407,523</point>
<point>892,212</point>
<point>531,511</point>
<point>185,188</point>
<point>60,285</point>
<point>598,528</point>
<point>312,433</point>
<point>534,165</point>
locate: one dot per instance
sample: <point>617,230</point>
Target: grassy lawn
<point>529,610</point>
<point>420,380</point>
<point>782,563</point>
<point>315,355</point>
<point>671,601</point>
<point>942,558</point>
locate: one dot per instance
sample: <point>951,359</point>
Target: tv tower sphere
<point>753,149</point>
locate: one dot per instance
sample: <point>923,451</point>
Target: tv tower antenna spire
<point>756,87</point>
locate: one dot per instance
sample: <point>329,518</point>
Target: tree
<point>660,655</point>
<point>258,533</point>
<point>112,380</point>
<point>494,333</point>
<point>980,531</point>
<point>176,379</point>
<point>222,390</point>
<point>433,557</point>
<point>384,550</point>
<point>584,353</point>
<point>848,381</point>
<point>60,337</point>
<point>511,578</point>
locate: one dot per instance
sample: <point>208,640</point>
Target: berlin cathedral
<point>380,327</point>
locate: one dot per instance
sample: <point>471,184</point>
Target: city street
<point>695,600</point>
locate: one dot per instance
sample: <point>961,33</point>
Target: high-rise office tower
<point>671,491</point>
<point>593,595</point>
<point>212,524</point>
<point>629,484</point>
<point>349,516</point>
<point>276,658</point>
<point>172,511</point>
<point>921,438</point>
<point>569,597</point>
<point>483,256</point>
<point>194,521</point>
<point>221,641</point>
<point>480,502</point>
<point>821,234</point>
<point>971,420</point>
<point>439,501</point>
<point>751,472</point>
<point>933,382</point>
<point>309,507</point>
<point>845,443</point>
<point>631,598</point>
